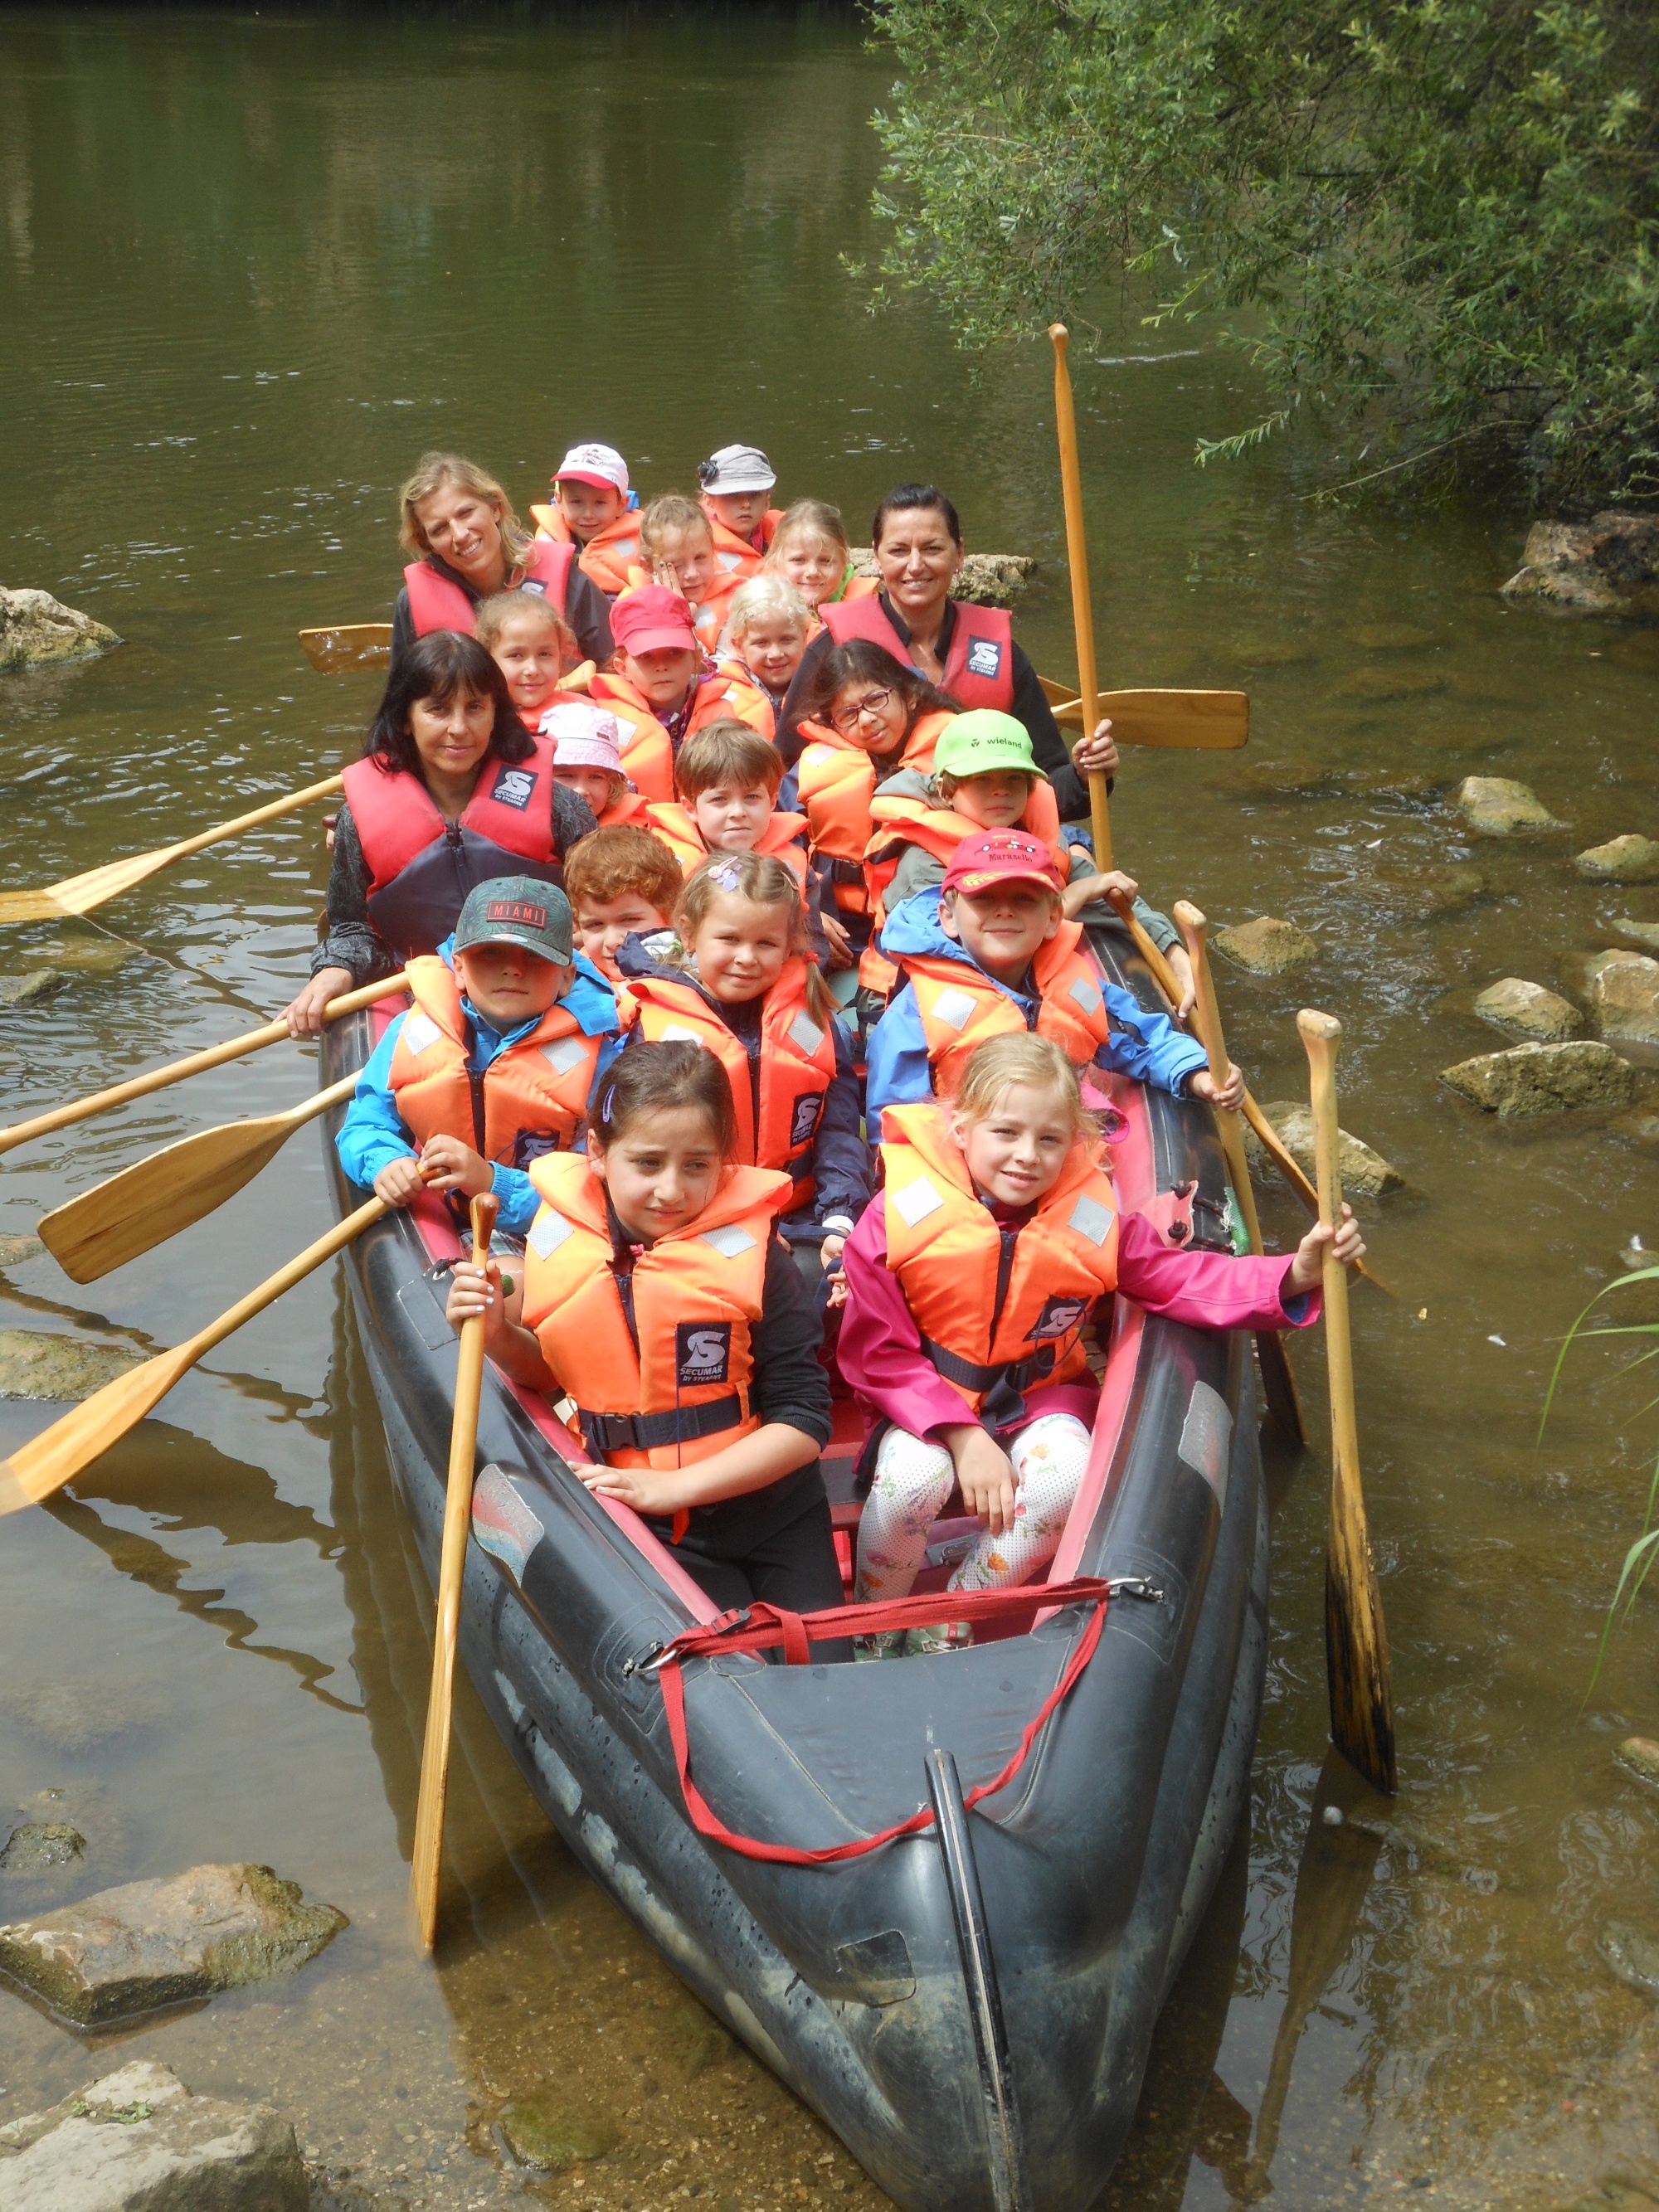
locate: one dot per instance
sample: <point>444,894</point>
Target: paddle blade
<point>156,1198</point>
<point>58,1454</point>
<point>79,894</point>
<point>1356,1652</point>
<point>1192,721</point>
<point>358,645</point>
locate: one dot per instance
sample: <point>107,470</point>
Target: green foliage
<point>1435,224</point>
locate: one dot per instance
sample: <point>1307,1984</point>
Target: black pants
<point>793,1566</point>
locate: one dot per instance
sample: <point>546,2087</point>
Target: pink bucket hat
<point>584,735</point>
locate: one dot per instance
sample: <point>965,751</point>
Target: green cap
<point>976,743</point>
<point>517,910</point>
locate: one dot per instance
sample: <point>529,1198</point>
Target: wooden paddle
<point>216,1055</point>
<point>1076,559</point>
<point>157,1197</point>
<point>1356,1641</point>
<point>458,1523</point>
<point>334,651</point>
<point>79,894</point>
<point>59,1453</point>
<point>1193,721</point>
<point>1277,1380</point>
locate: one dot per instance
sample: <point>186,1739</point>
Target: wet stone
<point>1543,1079</point>
<point>1365,1174</point>
<point>1643,936</point>
<point>1606,566</point>
<point>1266,946</point>
<point>1640,1127</point>
<point>1628,859</point>
<point>130,1950</point>
<point>1631,1955</point>
<point>35,1364</point>
<point>37,630</point>
<point>79,1717</point>
<point>540,2132</point>
<point>14,1249</point>
<point>138,2140</point>
<point>1623,996</point>
<point>33,989</point>
<point>1499,807</point>
<point>40,1845</point>
<point>1640,1754</point>
<point>1448,888</point>
<point>1529,1010</point>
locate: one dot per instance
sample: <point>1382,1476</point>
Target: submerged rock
<point>1445,888</point>
<point>984,579</point>
<point>1640,1127</point>
<point>1544,1078</point>
<point>1529,1010</point>
<point>35,1364</point>
<point>77,1717</point>
<point>1498,807</point>
<point>542,2132</point>
<point>39,1844</point>
<point>138,2140</point>
<point>1391,636</point>
<point>1608,565</point>
<point>33,989</point>
<point>36,629</point>
<point>1632,1956</point>
<point>1641,1755</point>
<point>1627,859</point>
<point>1266,947</point>
<point>1644,935</point>
<point>1365,1174</point>
<point>147,1944</point>
<point>1623,996</point>
<point>1376,686</point>
<point>14,1249</point>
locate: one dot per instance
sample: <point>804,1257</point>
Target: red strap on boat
<point>761,1627</point>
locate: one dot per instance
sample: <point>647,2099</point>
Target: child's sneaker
<point>937,1636</point>
<point>888,1644</point>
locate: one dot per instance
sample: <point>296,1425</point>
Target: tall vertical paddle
<point>457,1520</point>
<point>1356,1641</point>
<point>1077,558</point>
<point>1277,1380</point>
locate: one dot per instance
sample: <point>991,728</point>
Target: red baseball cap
<point>1001,856</point>
<point>653,619</point>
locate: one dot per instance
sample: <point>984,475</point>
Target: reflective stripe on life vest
<point>960,1006</point>
<point>836,780</point>
<point>979,668</point>
<point>1000,1311</point>
<point>675,826</point>
<point>664,1379</point>
<point>796,1064</point>
<point>901,821</point>
<point>434,603</point>
<point>647,750</point>
<point>531,1099</point>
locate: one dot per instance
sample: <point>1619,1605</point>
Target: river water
<point>253,264</point>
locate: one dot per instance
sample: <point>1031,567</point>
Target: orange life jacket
<point>420,871</point>
<point>576,680</point>
<point>676,825</point>
<point>1000,1325</point>
<point>740,557</point>
<point>737,671</point>
<point>960,1007</point>
<point>979,668</point>
<point>648,751</point>
<point>663,1381</point>
<point>436,604</point>
<point>538,1086</point>
<point>836,780</point>
<point>632,806</point>
<point>901,821</point>
<point>606,557</point>
<point>796,1064</point>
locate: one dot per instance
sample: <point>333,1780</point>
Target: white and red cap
<point>584,735</point>
<point>1001,856</point>
<point>602,466</point>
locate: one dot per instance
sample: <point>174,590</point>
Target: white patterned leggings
<point>913,1479</point>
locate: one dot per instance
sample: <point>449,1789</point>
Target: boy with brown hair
<point>728,777</point>
<point>620,882</point>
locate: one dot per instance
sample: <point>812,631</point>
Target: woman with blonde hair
<point>466,543</point>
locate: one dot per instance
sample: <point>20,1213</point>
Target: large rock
<point>1623,996</point>
<point>36,629</point>
<point>37,1363</point>
<point>1365,1174</point>
<point>1544,1078</point>
<point>1529,1010</point>
<point>151,1943</point>
<point>1608,565</point>
<point>1628,859</point>
<point>138,2140</point>
<point>1499,807</point>
<point>984,579</point>
<point>1266,947</point>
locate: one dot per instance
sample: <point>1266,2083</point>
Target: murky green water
<point>252,265</point>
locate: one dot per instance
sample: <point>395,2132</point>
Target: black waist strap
<point>608,1432</point>
<point>968,1375</point>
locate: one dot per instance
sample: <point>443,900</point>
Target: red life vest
<point>836,780</point>
<point>436,604</point>
<point>1002,1327</point>
<point>664,1382</point>
<point>676,825</point>
<point>960,1007</point>
<point>901,821</point>
<point>648,751</point>
<point>420,867</point>
<point>532,1099</point>
<point>979,668</point>
<point>795,1067</point>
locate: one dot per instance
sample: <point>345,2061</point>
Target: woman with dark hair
<point>966,651</point>
<point>451,790</point>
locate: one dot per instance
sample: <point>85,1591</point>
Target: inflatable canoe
<point>968,2005</point>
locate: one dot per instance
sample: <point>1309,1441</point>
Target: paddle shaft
<point>457,1520</point>
<point>1356,1641</point>
<point>1076,558</point>
<point>59,1453</point>
<point>139,1086</point>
